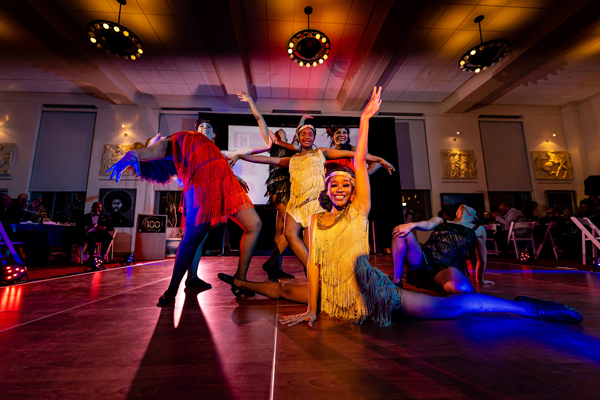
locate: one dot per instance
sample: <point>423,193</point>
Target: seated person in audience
<point>94,228</point>
<point>21,208</point>
<point>488,219</point>
<point>566,213</point>
<point>505,216</point>
<point>7,214</point>
<point>531,212</point>
<point>570,242</point>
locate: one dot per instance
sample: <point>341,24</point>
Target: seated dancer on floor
<point>307,175</point>
<point>278,189</point>
<point>211,195</point>
<point>348,287</point>
<point>440,263</point>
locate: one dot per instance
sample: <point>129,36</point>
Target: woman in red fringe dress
<point>211,195</point>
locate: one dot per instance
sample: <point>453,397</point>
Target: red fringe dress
<point>203,169</point>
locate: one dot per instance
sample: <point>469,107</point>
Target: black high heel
<point>272,271</point>
<point>236,290</point>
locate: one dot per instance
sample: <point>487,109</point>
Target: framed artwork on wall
<point>119,205</point>
<point>451,202</point>
<point>560,199</point>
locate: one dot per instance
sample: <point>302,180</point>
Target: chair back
<point>521,230</point>
<point>583,224</point>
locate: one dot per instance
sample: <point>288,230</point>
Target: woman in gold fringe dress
<point>339,273</point>
<point>307,176</point>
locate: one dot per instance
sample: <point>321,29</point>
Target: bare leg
<point>280,242</point>
<point>407,249</point>
<point>292,234</point>
<point>297,292</point>
<point>250,222</point>
<point>423,306</point>
<point>453,281</point>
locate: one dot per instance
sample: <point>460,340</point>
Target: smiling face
<point>341,136</point>
<point>207,130</point>
<point>306,137</point>
<point>339,190</point>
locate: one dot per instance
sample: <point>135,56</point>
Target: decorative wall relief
<point>113,153</point>
<point>6,152</point>
<point>552,165</point>
<point>458,164</point>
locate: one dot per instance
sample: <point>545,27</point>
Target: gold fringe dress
<point>350,287</point>
<point>307,174</point>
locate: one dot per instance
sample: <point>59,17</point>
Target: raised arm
<point>132,158</point>
<point>281,143</point>
<point>404,229</point>
<point>312,271</point>
<point>246,152</point>
<point>278,161</point>
<point>334,154</point>
<point>264,130</point>
<point>303,121</point>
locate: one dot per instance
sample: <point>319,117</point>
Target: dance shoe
<point>551,311</point>
<point>272,270</point>
<point>166,299</point>
<point>197,283</point>
<point>236,290</point>
<point>285,275</point>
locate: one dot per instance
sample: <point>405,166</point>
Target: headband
<point>306,126</point>
<point>341,173</point>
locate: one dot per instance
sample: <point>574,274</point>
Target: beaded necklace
<point>337,219</point>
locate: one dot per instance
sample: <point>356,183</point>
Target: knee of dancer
<point>459,287</point>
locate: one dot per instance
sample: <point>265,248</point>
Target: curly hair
<point>201,121</point>
<point>330,132</point>
<point>324,200</point>
<point>117,194</point>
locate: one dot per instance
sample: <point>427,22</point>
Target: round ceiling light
<point>484,55</point>
<point>309,47</point>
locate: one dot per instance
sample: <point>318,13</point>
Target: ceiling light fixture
<point>484,55</point>
<point>115,38</point>
<point>309,47</point>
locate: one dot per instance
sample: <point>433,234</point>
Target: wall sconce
<point>554,134</point>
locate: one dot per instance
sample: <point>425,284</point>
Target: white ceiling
<point>216,48</point>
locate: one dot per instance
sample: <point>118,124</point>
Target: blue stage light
<point>128,259</point>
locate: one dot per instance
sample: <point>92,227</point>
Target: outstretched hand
<point>244,97</point>
<point>234,160</point>
<point>243,183</point>
<point>129,159</point>
<point>291,320</point>
<point>401,230</point>
<point>373,104</point>
<point>390,168</point>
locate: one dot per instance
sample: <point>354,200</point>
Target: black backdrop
<point>386,200</point>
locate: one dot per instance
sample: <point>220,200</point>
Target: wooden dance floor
<point>100,336</point>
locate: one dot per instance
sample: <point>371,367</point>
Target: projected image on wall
<point>241,137</point>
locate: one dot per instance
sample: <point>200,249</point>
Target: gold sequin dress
<point>350,287</point>
<point>307,175</point>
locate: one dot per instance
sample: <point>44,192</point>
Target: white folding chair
<point>588,235</point>
<point>547,235</point>
<point>5,241</point>
<point>110,246</point>
<point>526,235</point>
<point>493,228</point>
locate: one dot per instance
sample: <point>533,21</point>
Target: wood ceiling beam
<point>91,71</point>
<point>223,27</point>
<point>543,41</point>
<point>388,26</point>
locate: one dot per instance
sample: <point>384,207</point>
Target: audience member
<point>7,214</point>
<point>94,228</point>
<point>488,219</point>
<point>21,208</point>
<point>505,216</point>
<point>530,212</point>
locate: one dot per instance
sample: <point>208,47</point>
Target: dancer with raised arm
<point>211,195</point>
<point>278,189</point>
<point>342,283</point>
<point>307,177</point>
<point>440,263</point>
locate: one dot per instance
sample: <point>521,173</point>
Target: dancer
<point>339,139</point>
<point>278,189</point>
<point>307,176</point>
<point>440,262</point>
<point>211,195</point>
<point>350,288</point>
